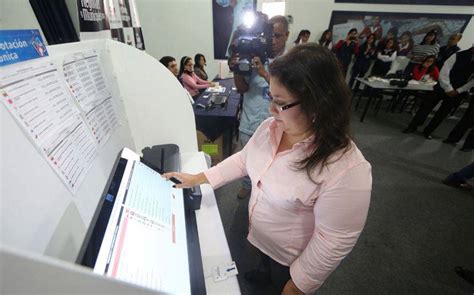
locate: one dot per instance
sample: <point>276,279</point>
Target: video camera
<point>250,40</point>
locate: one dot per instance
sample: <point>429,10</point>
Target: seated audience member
<point>170,63</point>
<point>346,48</point>
<point>191,82</point>
<point>326,39</point>
<point>364,58</point>
<point>311,185</point>
<point>375,28</point>
<point>384,59</point>
<point>451,48</point>
<point>458,179</point>
<point>428,46</point>
<point>199,64</point>
<point>406,44</point>
<point>303,37</point>
<point>466,122</point>
<point>455,79</point>
<point>426,70</point>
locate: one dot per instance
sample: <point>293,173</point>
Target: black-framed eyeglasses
<point>281,108</point>
<point>287,106</point>
<point>290,105</point>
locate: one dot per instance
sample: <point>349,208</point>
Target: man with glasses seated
<point>255,89</point>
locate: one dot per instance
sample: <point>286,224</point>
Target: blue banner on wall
<point>20,45</point>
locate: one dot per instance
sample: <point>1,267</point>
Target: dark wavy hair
<point>435,40</point>
<point>301,34</point>
<point>351,31</point>
<point>374,40</point>
<point>184,60</point>
<point>311,73</point>
<point>323,41</point>
<point>431,68</point>
<point>165,60</point>
<point>197,57</point>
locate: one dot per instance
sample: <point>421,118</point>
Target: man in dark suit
<point>466,122</point>
<point>449,49</point>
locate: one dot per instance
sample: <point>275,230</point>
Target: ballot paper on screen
<point>138,233</point>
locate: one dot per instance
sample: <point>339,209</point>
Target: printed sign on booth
<point>20,45</point>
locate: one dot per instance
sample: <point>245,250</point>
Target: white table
<point>385,85</point>
<point>212,239</point>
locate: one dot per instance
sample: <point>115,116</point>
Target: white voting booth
<point>43,223</point>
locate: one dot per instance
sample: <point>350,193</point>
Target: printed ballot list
<point>35,94</point>
<point>145,241</point>
<point>86,81</point>
<point>68,114</point>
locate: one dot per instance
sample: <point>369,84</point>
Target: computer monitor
<point>139,231</point>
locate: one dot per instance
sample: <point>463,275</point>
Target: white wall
<point>17,14</point>
<point>184,27</point>
<point>178,28</point>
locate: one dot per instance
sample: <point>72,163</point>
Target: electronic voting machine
<point>144,231</point>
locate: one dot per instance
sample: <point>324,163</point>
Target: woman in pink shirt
<point>191,82</point>
<point>311,185</point>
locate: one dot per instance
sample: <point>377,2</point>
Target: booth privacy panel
<point>158,107</point>
<point>38,213</point>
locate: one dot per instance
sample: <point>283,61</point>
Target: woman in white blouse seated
<point>311,185</point>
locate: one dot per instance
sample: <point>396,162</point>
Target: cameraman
<point>255,89</point>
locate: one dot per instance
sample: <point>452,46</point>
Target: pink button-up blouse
<point>308,226</point>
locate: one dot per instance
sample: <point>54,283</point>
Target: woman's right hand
<point>187,180</point>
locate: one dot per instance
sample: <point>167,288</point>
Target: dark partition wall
<point>55,21</point>
<point>226,17</point>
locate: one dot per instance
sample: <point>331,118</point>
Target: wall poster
<point>417,23</point>
<point>110,19</point>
